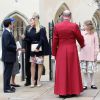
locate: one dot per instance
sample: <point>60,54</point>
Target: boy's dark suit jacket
<point>8,47</point>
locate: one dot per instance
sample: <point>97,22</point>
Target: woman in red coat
<point>68,79</point>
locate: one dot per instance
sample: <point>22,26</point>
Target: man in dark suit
<point>8,54</point>
<point>27,47</point>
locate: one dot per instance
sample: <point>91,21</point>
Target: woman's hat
<point>36,15</point>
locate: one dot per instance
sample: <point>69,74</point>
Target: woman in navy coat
<point>36,34</point>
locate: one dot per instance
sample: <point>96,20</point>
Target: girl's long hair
<point>37,22</point>
<point>37,25</point>
<point>89,24</point>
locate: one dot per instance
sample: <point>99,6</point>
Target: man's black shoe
<point>64,96</point>
<point>61,96</point>
<point>27,84</point>
<point>9,91</point>
<point>74,95</point>
<point>13,89</point>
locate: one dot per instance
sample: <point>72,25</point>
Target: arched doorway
<point>59,12</point>
<point>20,23</point>
<point>19,27</point>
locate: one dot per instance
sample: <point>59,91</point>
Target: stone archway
<point>59,12</point>
<point>20,23</point>
<point>20,15</point>
<point>19,26</point>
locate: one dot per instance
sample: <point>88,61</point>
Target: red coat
<point>68,75</point>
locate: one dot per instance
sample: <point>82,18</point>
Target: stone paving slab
<point>86,95</point>
<point>80,98</point>
<point>90,93</point>
<point>97,98</point>
<point>46,92</point>
<point>3,98</point>
<point>49,99</point>
<point>28,93</point>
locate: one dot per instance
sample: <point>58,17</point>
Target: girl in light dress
<point>88,54</point>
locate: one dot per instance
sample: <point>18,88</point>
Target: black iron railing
<point>51,26</point>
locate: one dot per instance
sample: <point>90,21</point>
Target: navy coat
<point>8,47</point>
<point>31,36</point>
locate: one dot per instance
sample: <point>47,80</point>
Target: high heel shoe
<point>32,84</point>
<point>39,84</point>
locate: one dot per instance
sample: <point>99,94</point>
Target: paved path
<point>46,92</point>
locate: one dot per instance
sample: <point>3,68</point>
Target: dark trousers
<point>28,69</point>
<point>8,67</point>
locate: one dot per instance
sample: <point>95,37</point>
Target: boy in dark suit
<point>8,54</point>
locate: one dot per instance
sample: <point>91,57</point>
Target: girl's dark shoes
<point>93,87</point>
<point>84,87</point>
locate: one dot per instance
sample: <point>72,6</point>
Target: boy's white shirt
<point>8,29</point>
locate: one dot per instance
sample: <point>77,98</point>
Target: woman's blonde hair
<point>89,24</point>
<point>37,22</point>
